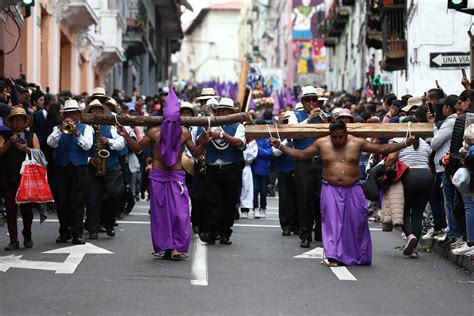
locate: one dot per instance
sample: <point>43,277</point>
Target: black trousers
<point>286,209</point>
<point>417,185</point>
<point>198,198</point>
<point>103,198</point>
<point>70,196</point>
<point>127,198</point>
<point>222,195</point>
<point>308,181</point>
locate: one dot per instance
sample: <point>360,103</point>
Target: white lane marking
<point>199,263</point>
<point>342,273</point>
<point>237,225</point>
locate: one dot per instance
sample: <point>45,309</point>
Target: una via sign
<point>443,60</point>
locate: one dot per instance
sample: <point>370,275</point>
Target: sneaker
<point>28,243</point>
<point>263,213</point>
<point>410,246</point>
<point>244,215</point>
<point>459,242</point>
<point>414,254</point>
<point>429,234</point>
<point>441,238</point>
<point>461,251</point>
<point>403,235</point>
<point>256,213</point>
<point>446,243</point>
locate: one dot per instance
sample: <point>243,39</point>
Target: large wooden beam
<point>102,119</point>
<point>365,130</point>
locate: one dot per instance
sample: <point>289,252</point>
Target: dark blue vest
<point>230,155</point>
<point>286,164</point>
<point>112,160</point>
<point>304,143</point>
<point>69,151</point>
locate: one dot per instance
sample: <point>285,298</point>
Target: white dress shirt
<point>84,141</point>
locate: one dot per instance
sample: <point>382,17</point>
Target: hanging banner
<point>308,45</point>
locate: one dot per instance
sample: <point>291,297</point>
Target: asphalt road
<point>256,275</point>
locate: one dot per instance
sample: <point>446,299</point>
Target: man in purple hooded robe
<point>169,201</point>
<point>345,229</point>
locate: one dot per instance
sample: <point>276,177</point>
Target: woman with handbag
<point>14,146</point>
<point>415,181</point>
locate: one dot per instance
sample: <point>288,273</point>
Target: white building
<point>432,29</point>
<point>210,49</point>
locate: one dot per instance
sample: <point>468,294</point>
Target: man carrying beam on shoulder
<point>169,201</point>
<point>345,230</point>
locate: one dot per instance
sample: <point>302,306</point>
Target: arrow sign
<point>445,60</point>
<point>76,254</point>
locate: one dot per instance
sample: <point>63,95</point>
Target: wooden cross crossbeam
<point>365,130</point>
<point>103,119</point>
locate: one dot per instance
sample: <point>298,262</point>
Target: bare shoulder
<point>323,140</point>
<point>356,140</point>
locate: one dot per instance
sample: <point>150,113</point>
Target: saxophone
<point>101,154</point>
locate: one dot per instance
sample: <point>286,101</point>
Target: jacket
<point>261,165</point>
<point>393,204</point>
<point>457,138</point>
<point>442,140</point>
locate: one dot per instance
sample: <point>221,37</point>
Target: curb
<point>465,262</point>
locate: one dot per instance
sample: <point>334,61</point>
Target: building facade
<point>210,48</point>
<point>78,44</point>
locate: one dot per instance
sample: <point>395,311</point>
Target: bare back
<point>155,134</point>
<point>340,165</point>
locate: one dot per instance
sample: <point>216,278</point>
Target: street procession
<point>245,157</point>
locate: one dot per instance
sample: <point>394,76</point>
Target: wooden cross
<point>365,130</point>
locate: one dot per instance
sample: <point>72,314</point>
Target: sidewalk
<point>465,262</point>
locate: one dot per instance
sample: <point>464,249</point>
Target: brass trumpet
<point>68,127</point>
<point>324,117</point>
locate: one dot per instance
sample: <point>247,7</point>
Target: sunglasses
<point>310,100</point>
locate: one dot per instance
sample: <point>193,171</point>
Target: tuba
<point>101,154</point>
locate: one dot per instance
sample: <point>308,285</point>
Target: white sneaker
<point>428,235</point>
<point>403,235</point>
<point>244,215</point>
<point>464,249</point>
<point>458,243</point>
<point>441,237</point>
<point>256,213</point>
<point>263,213</point>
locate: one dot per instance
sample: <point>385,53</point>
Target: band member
<point>345,229</point>
<point>308,172</point>
<point>14,146</point>
<point>71,142</point>
<point>105,175</point>
<point>169,200</point>
<point>224,164</point>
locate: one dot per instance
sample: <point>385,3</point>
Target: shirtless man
<point>169,201</point>
<point>346,236</point>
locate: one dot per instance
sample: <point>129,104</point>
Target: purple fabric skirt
<point>169,204</point>
<point>345,227</point>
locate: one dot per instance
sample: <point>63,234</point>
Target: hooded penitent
<point>170,140</point>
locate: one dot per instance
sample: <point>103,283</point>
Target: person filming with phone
<point>14,146</point>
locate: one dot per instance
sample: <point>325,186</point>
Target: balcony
<point>79,14</point>
<point>394,42</point>
<point>337,22</point>
<point>135,37</point>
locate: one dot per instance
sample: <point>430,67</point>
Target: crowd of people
<point>97,172</point>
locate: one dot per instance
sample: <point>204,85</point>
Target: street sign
<point>447,60</point>
<point>76,254</point>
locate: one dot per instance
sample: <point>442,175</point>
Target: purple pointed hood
<point>170,139</point>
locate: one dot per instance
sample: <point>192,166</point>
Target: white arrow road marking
<point>199,264</point>
<point>76,254</point>
<point>316,253</point>
<point>342,273</point>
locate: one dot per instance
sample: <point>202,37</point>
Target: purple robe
<point>345,227</point>
<point>170,135</point>
<point>169,203</point>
